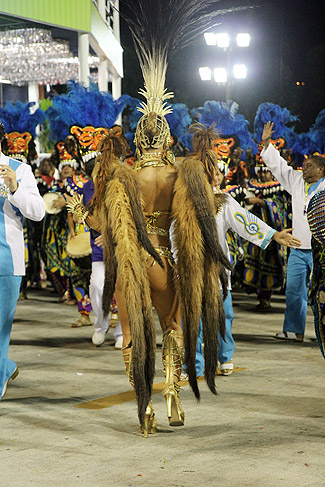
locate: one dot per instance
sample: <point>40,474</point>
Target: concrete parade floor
<point>69,419</point>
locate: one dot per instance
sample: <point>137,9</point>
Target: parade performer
<point>69,279</point>
<point>184,194</point>
<point>302,187</point>
<point>19,197</point>
<point>264,272</point>
<point>316,220</point>
<point>80,205</point>
<point>79,132</point>
<point>21,121</point>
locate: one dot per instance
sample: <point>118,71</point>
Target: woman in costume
<point>183,194</point>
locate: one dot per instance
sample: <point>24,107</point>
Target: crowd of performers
<point>166,229</point>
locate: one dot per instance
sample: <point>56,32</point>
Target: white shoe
<point>12,377</point>
<point>289,335</point>
<point>119,343</point>
<point>98,338</point>
<point>226,368</point>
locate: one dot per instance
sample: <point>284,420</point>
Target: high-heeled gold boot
<point>150,422</point>
<point>172,355</point>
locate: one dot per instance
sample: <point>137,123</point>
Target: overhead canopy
<point>80,16</point>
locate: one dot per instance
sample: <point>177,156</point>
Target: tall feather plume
<point>21,117</point>
<point>158,28</point>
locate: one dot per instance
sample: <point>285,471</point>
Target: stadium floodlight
<point>222,40</point>
<point>240,71</point>
<point>205,74</point>
<point>210,39</point>
<point>243,40</point>
<point>220,75</point>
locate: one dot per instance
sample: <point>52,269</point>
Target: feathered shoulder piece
<point>201,265</point>
<point>126,248</point>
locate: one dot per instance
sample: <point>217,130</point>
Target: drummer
<point>97,277</point>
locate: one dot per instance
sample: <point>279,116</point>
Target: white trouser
<point>96,287</point>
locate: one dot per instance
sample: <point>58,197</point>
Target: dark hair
<point>150,128</point>
<point>2,131</point>
<point>202,146</point>
<point>112,147</point>
<point>319,161</point>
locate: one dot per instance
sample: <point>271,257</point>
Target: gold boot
<point>173,360</point>
<point>150,422</point>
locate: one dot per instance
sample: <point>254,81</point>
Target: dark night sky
<point>287,37</point>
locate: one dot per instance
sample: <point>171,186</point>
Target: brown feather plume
<point>109,263</point>
<point>213,319</point>
<point>201,266</point>
<point>204,203</point>
<point>133,278</point>
<point>190,266</point>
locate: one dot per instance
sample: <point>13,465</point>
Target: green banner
<point>70,14</point>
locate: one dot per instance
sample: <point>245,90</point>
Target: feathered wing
<point>125,245</point>
<point>201,266</point>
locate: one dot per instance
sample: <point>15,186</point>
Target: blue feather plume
<point>280,117</point>
<point>21,117</point>
<point>83,106</point>
<point>317,133</point>
<point>227,121</point>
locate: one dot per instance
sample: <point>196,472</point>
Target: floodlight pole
<point>228,85</point>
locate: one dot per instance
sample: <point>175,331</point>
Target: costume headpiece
<point>281,118</point>
<point>158,27</point>
<point>20,121</point>
<point>317,133</point>
<point>85,113</point>
<point>283,134</point>
<point>231,126</point>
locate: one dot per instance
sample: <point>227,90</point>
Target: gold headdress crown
<point>154,67</point>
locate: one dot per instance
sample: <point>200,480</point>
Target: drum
<point>79,249</point>
<point>49,199</point>
<point>316,216</point>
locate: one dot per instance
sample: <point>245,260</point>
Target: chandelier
<point>32,55</point>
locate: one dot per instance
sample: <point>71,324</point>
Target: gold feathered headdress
<point>159,27</point>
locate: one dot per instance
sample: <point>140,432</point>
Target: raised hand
<point>286,238</point>
<point>9,177</point>
<point>267,133</point>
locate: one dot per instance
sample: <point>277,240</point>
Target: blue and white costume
<point>300,260</point>
<point>25,202</point>
<point>250,227</point>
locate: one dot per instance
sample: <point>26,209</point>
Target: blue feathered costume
<point>20,121</point>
